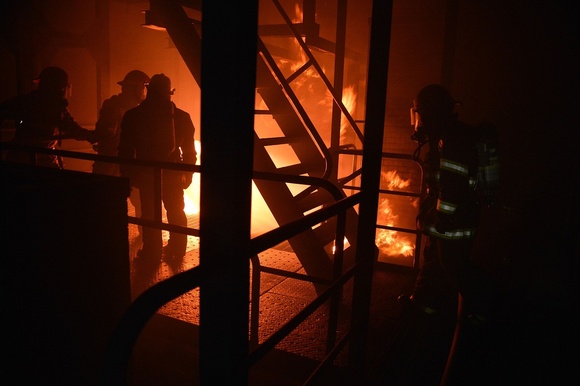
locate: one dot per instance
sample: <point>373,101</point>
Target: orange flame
<point>394,181</point>
<point>349,101</point>
<point>191,194</point>
<point>389,242</point>
<point>298,14</point>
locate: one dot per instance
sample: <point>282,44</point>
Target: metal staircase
<point>313,248</point>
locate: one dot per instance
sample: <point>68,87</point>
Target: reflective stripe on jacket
<point>455,211</point>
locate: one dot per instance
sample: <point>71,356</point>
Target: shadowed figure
<point>157,130</point>
<point>449,217</point>
<point>42,119</point>
<point>107,132</point>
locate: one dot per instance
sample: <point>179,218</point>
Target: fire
<point>394,181</point>
<point>349,101</point>
<point>389,242</point>
<point>262,219</point>
<point>298,14</point>
<point>317,101</point>
<point>191,194</point>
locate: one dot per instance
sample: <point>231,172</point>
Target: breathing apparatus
<point>420,133</point>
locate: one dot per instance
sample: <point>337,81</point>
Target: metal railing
<point>116,363</point>
<point>343,183</point>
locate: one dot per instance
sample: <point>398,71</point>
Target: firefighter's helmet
<point>160,84</point>
<point>134,78</point>
<point>434,100</point>
<point>433,109</point>
<point>52,78</point>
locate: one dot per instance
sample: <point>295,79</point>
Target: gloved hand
<point>80,134</point>
<point>186,179</point>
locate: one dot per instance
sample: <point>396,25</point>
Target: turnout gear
<point>449,211</point>
<point>108,127</point>
<point>157,130</point>
<point>488,176</point>
<point>42,118</point>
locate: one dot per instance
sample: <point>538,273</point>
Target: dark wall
<point>516,65</point>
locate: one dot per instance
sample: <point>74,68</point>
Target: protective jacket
<point>107,129</point>
<point>451,209</point>
<point>156,130</point>
<point>41,120</point>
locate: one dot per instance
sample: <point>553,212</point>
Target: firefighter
<point>449,212</point>
<point>157,130</point>
<point>449,216</point>
<point>42,118</point>
<point>108,128</point>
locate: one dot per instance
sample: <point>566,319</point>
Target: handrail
<point>123,339</point>
<point>98,157</point>
<point>343,181</point>
<point>275,236</point>
<point>157,165</point>
<point>301,316</point>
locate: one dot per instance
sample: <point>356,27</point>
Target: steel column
<point>228,78</point>
<point>370,180</point>
<point>338,83</point>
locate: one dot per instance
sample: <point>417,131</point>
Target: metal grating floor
<point>280,297</point>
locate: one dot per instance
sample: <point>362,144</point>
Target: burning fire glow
<point>191,195</point>
<point>349,101</point>
<point>262,218</point>
<point>318,102</point>
<point>389,242</point>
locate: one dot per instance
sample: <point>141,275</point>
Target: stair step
<point>326,232</point>
<point>315,199</point>
<point>272,141</point>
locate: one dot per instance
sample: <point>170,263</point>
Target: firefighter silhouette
<point>42,118</point>
<point>108,127</point>
<point>107,132</point>
<point>449,212</point>
<point>157,130</point>
<point>449,216</point>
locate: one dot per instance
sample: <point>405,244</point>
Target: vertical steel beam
<point>182,32</point>
<point>338,83</point>
<point>309,13</point>
<point>228,77</point>
<point>103,52</point>
<point>370,180</point>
